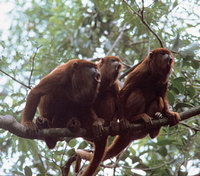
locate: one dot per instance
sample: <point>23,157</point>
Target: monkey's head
<point>161,61</point>
<point>85,82</point>
<point>110,68</point>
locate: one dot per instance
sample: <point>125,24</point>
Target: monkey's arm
<point>46,85</point>
<point>174,117</point>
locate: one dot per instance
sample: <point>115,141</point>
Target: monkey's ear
<point>150,56</point>
<point>101,62</point>
<point>75,65</point>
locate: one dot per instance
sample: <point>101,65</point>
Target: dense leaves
<point>44,34</point>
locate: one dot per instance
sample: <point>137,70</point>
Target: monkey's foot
<point>42,122</point>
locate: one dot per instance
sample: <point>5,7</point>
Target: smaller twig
<point>190,127</point>
<point>63,153</point>
<point>141,16</point>
<point>117,40</point>
<point>157,167</point>
<point>145,23</point>
<point>15,79</point>
<point>116,163</point>
<point>95,59</point>
<point>126,65</point>
<point>65,169</point>
<point>142,7</point>
<point>129,70</point>
<point>132,10</point>
<point>139,42</point>
<point>32,66</point>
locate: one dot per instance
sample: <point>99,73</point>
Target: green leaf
<point>82,145</point>
<point>132,151</point>
<point>162,151</point>
<point>191,91</point>
<point>170,98</point>
<point>179,79</point>
<point>195,64</point>
<point>2,43</point>
<point>72,142</point>
<point>164,142</point>
<point>125,155</point>
<point>183,105</point>
<point>18,173</point>
<point>179,86</point>
<point>70,152</point>
<point>27,171</point>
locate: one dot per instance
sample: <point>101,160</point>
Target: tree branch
<point>117,40</point>
<point>9,123</point>
<point>141,16</point>
<point>129,70</point>
<point>15,79</point>
<point>32,66</point>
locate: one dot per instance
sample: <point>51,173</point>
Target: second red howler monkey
<point>143,95</point>
<point>72,86</point>
<point>106,106</point>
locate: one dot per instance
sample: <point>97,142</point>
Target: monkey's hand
<point>97,127</point>
<point>31,127</point>
<point>173,117</point>
<point>74,124</point>
<point>124,124</point>
<point>158,115</point>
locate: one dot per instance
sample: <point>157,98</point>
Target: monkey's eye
<point>151,55</point>
<point>163,54</point>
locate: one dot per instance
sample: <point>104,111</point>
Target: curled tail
<point>98,155</point>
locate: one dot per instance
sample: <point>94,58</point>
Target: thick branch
<point>9,123</point>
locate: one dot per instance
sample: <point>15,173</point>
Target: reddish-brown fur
<point>106,106</point>
<point>70,87</point>
<point>144,94</point>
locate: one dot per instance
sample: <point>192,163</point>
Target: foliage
<point>45,34</point>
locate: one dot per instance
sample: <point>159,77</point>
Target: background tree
<point>45,34</point>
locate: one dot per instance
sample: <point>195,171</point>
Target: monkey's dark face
<point>85,83</point>
<point>110,67</point>
<point>162,60</point>
<point>94,73</point>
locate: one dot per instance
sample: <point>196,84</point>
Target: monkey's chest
<point>106,107</point>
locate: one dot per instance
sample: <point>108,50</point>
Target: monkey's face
<point>110,68</point>
<point>162,60</point>
<point>85,82</point>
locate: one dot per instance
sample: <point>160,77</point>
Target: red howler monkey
<point>70,87</point>
<point>142,95</point>
<point>106,106</point>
